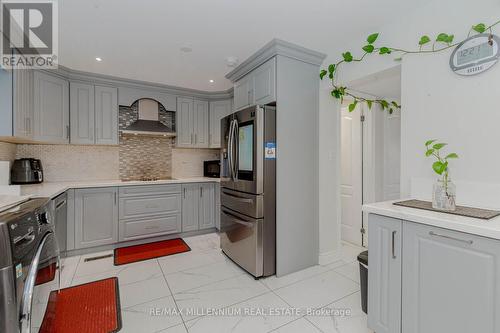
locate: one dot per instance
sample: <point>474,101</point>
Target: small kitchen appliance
<point>26,171</point>
<point>211,169</point>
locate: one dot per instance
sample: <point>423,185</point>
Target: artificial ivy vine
<point>442,42</point>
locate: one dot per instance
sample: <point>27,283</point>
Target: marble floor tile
<point>197,277</point>
<point>188,260</point>
<point>298,326</point>
<point>219,294</point>
<point>274,282</point>
<point>353,321</point>
<point>350,271</point>
<point>318,290</point>
<point>150,317</point>
<point>143,291</point>
<point>260,314</point>
<point>175,329</point>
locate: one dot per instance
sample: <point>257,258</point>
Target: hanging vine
<point>442,42</point>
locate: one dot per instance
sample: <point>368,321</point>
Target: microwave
<point>211,169</point>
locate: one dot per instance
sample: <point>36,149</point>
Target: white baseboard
<point>329,257</point>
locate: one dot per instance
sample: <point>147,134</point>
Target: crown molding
<point>81,76</point>
<point>273,48</point>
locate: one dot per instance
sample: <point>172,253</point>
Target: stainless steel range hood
<point>148,122</point>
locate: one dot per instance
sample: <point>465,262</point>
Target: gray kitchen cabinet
<point>149,211</point>
<point>265,83</point>
<point>190,207</point>
<point>243,90</point>
<point>23,88</point>
<point>96,217</point>
<point>106,115</point>
<point>192,123</point>
<point>451,281</point>
<point>207,206</point>
<point>51,108</point>
<point>200,127</point>
<point>257,87</point>
<point>198,206</point>
<point>218,110</point>
<point>384,283</point>
<point>82,113</point>
<point>185,121</point>
<point>94,114</point>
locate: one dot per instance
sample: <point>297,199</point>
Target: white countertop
<point>7,201</point>
<point>486,228</point>
<point>53,189</point>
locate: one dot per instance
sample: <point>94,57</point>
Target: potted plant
<point>444,191</point>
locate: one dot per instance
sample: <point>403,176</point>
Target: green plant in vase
<point>444,191</point>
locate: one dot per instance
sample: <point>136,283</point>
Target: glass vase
<point>444,195</point>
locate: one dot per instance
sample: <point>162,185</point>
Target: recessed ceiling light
<point>186,49</point>
<point>98,59</point>
<point>211,81</point>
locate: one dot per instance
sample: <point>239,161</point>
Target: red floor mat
<point>88,308</point>
<point>46,274</point>
<point>129,254</point>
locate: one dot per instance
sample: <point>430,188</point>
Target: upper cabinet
<point>51,108</point>
<point>129,95</point>
<point>94,114</point>
<point>218,110</point>
<point>23,81</point>
<point>106,115</point>
<point>192,123</point>
<point>82,113</point>
<point>257,87</point>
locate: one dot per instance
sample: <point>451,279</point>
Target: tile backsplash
<point>7,151</point>
<point>189,162</point>
<point>145,157</point>
<point>73,162</point>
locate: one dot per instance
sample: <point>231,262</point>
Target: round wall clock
<point>475,55</point>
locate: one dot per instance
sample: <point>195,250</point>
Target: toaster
<point>26,171</point>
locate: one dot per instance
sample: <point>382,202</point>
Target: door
<point>106,114</point>
<point>392,155</point>
<point>384,274</point>
<point>207,206</point>
<point>245,151</point>
<point>190,207</point>
<point>96,217</point>
<point>41,278</point>
<point>200,124</point>
<point>51,108</point>
<point>451,281</point>
<point>82,113</point>
<point>243,92</point>
<point>218,110</point>
<point>265,83</point>
<point>23,87</point>
<point>185,121</point>
<point>351,168</point>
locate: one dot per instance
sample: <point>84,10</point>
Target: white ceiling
<point>141,39</point>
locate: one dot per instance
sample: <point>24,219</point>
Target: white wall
<point>436,103</point>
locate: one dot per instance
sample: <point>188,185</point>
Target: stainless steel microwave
<point>211,169</point>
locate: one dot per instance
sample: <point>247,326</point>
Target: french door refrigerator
<point>248,189</point>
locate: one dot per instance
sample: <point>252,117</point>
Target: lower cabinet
<point>431,280</point>
<point>96,217</point>
<point>198,206</point>
<point>451,281</point>
<point>384,274</point>
<point>149,211</point>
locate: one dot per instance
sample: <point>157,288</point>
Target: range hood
<point>148,122</point>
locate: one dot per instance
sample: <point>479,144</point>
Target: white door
<point>351,175</point>
<point>392,155</point>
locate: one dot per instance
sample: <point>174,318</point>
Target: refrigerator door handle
<point>230,150</point>
<point>236,144</point>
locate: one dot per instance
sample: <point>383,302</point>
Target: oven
<point>211,169</point>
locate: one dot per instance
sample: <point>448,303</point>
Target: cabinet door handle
<point>67,131</point>
<point>191,138</point>
<point>466,241</point>
<point>195,138</point>
<point>115,197</point>
<point>184,193</point>
<point>394,245</point>
<point>201,192</point>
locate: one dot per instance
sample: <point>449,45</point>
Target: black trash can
<point>363,279</point>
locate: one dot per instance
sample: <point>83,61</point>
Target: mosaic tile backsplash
<point>144,156</point>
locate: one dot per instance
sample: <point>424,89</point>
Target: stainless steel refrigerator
<point>248,189</point>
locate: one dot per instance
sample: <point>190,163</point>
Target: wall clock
<point>475,55</point>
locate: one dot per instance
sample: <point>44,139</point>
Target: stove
<point>148,179</point>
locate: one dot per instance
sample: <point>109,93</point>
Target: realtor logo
<point>29,34</point>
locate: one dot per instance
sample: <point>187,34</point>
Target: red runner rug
<point>130,254</point>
